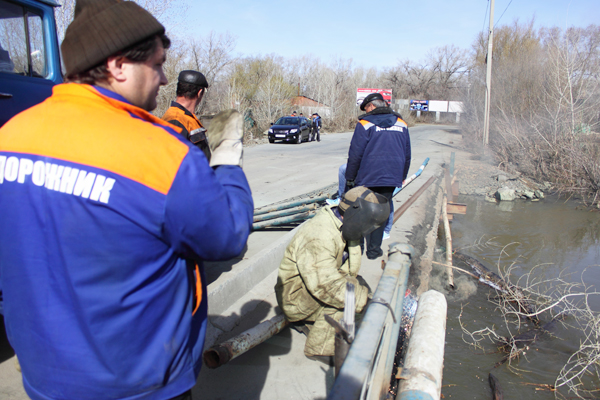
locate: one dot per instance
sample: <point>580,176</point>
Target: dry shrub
<point>544,109</point>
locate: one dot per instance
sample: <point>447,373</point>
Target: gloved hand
<point>225,138</point>
<point>349,185</point>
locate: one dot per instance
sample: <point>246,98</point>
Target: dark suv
<point>290,129</point>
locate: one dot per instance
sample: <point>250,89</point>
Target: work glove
<point>349,185</point>
<point>225,138</point>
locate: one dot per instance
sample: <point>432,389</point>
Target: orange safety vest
<point>190,124</point>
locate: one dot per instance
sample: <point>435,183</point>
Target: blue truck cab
<point>29,58</point>
<point>29,54</point>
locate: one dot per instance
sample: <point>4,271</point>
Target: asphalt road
<point>280,171</point>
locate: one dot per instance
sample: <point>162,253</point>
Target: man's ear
<point>201,93</point>
<point>117,67</point>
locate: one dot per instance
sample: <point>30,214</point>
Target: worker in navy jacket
<point>107,215</point>
<point>379,156</point>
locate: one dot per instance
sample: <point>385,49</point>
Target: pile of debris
<point>496,185</point>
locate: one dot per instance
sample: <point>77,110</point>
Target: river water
<point>549,237</point>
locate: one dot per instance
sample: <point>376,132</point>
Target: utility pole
<point>488,79</point>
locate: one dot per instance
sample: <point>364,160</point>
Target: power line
<point>485,15</point>
<point>503,13</point>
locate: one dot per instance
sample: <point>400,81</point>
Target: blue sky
<point>373,34</point>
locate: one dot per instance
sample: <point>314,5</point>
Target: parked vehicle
<point>290,129</point>
<point>29,55</point>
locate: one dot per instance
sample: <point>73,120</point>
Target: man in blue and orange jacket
<point>379,156</point>
<point>107,214</point>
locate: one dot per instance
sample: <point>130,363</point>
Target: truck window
<point>22,47</point>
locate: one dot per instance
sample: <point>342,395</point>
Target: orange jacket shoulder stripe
<point>189,121</point>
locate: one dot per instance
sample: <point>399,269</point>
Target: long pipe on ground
<point>412,177</point>
<point>283,220</point>
<point>283,213</point>
<point>421,377</point>
<point>398,213</point>
<point>290,204</point>
<point>359,363</point>
<point>222,353</point>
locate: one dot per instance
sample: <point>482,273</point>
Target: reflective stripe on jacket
<point>191,126</point>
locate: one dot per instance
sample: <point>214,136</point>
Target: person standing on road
<point>191,87</point>
<point>316,126</point>
<point>379,156</point>
<point>324,255</point>
<point>107,214</point>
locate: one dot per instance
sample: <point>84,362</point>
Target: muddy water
<point>551,234</point>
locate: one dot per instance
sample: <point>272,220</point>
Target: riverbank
<point>481,178</point>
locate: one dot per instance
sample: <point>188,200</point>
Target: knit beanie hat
<point>101,28</point>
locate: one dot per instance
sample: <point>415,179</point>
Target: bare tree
<point>212,55</point>
<point>257,88</point>
<point>545,101</point>
<point>169,12</point>
<point>448,64</point>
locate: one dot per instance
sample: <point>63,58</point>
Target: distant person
<point>379,156</point>
<point>294,114</point>
<point>191,87</point>
<point>322,256</point>
<point>316,126</point>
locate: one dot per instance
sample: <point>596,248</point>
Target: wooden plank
<point>449,218</point>
<point>448,234</point>
<point>457,208</point>
<point>455,188</point>
<point>448,185</point>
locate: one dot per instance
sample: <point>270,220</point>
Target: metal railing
<point>366,372</point>
<point>367,369</point>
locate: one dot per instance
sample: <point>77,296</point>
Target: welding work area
<point>374,357</point>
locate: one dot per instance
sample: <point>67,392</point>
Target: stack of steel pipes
<point>288,212</point>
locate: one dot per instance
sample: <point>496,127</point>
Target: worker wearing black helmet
<point>323,255</point>
<point>191,87</point>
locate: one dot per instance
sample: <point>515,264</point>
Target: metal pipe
<point>222,353</point>
<point>398,213</point>
<point>283,220</point>
<point>357,368</point>
<point>283,213</point>
<point>412,177</point>
<point>290,204</point>
<point>421,377</point>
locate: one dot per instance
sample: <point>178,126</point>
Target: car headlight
<point>293,130</point>
<point>270,130</point>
